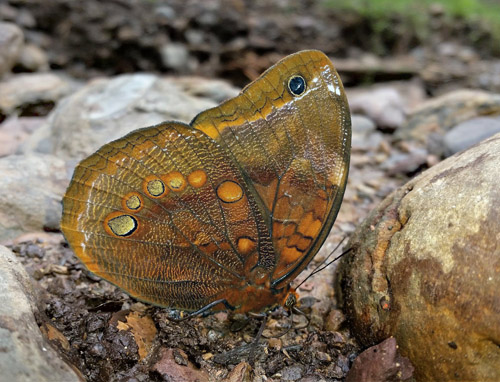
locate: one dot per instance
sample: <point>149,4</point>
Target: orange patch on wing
<point>308,226</point>
<point>197,178</point>
<point>304,243</point>
<point>290,255</point>
<point>229,191</point>
<point>175,181</point>
<point>246,245</point>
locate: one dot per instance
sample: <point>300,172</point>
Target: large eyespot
<point>297,85</point>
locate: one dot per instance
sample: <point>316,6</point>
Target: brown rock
<point>425,269</point>
<point>174,366</point>
<point>380,363</point>
<point>240,373</point>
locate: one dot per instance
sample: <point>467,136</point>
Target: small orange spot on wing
<point>229,191</point>
<point>246,245</point>
<point>197,178</point>
<point>175,181</point>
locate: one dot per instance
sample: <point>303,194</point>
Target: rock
<point>408,163</point>
<point>31,189</point>
<point>173,365</point>
<point>334,320</point>
<point>470,132</point>
<point>25,91</point>
<point>25,354</point>
<point>362,124</point>
<point>380,363</point>
<point>440,114</point>
<point>388,104</point>
<point>176,56</point>
<point>425,269</point>
<point>292,373</point>
<point>15,130</point>
<point>32,59</point>
<point>240,373</point>
<point>217,90</point>
<point>11,43</point>
<point>107,109</point>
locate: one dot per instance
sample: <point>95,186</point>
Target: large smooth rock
<point>426,269</point>
<point>107,109</point>
<point>25,355</point>
<point>31,189</point>
<point>11,43</point>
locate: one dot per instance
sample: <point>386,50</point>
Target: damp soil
<point>108,336</point>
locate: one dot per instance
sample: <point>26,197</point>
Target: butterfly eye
<point>297,85</point>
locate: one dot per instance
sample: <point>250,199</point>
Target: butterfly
<point>223,212</point>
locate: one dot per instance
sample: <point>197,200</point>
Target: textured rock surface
<point>22,91</point>
<point>470,132</point>
<point>440,114</point>
<point>24,355</point>
<point>426,269</point>
<point>31,189</point>
<point>11,43</point>
<point>381,363</point>
<point>107,109</point>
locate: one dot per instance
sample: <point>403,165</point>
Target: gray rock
<point>11,43</point>
<point>291,373</point>
<point>33,59</point>
<point>107,109</point>
<point>15,130</point>
<point>217,90</point>
<point>31,189</point>
<point>470,132</point>
<point>30,89</point>
<point>176,56</point>
<point>25,355</point>
<point>387,105</point>
<point>362,124</point>
<point>364,136</point>
<point>440,114</point>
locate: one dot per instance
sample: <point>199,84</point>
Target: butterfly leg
<point>255,343</point>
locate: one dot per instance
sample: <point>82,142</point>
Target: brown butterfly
<point>224,212</point>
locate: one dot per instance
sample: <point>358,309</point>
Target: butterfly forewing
<point>294,149</point>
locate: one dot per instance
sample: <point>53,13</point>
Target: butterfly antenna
<point>322,265</point>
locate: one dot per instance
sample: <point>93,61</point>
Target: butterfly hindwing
<point>164,214</point>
